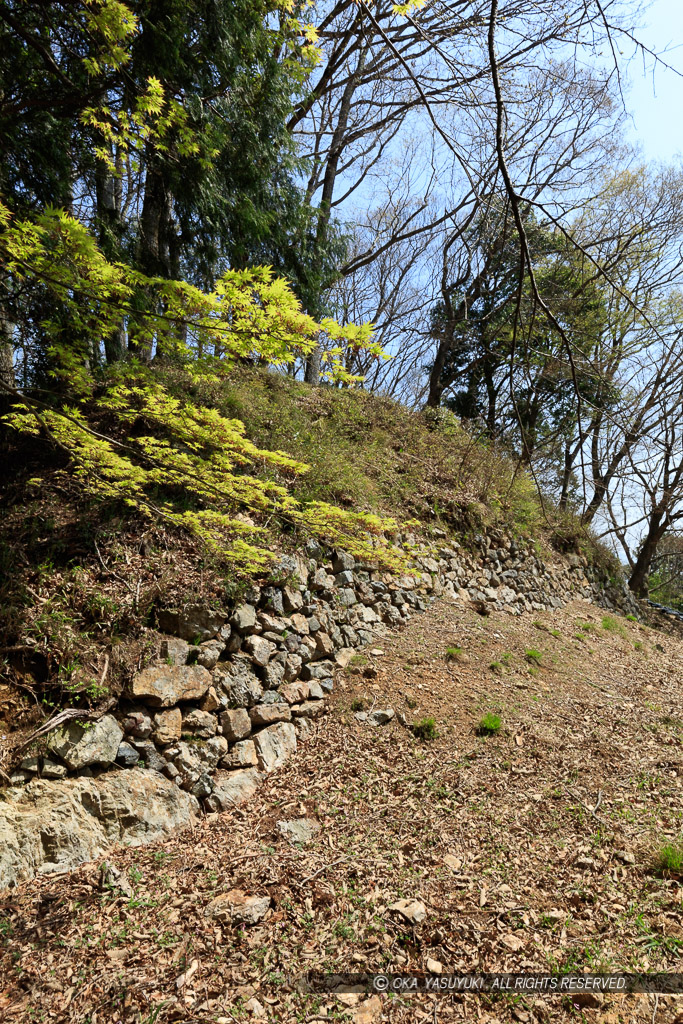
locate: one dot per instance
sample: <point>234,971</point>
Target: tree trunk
<point>436,382</point>
<point>110,229</point>
<point>641,570</point>
<point>6,351</point>
<point>313,361</point>
<point>153,252</point>
<point>566,479</point>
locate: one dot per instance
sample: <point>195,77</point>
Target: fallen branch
<point>66,715</point>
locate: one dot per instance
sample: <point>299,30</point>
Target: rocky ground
<point>535,847</point>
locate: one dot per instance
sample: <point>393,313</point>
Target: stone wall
<point>230,694</point>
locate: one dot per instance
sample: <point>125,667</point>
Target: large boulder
<point>80,744</point>
<point>163,686</point>
<point>55,826</point>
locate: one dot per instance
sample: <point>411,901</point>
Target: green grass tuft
<point>612,625</point>
<point>670,857</point>
<point>489,725</point>
<point>425,729</point>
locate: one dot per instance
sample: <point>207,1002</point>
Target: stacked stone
<point>230,696</point>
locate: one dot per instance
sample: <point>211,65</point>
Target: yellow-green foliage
<point>171,457</point>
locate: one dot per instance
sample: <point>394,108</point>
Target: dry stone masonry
<point>231,694</point>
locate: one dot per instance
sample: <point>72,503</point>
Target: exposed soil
<point>533,849</point>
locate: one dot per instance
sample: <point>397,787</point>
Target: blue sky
<point>657,104</point>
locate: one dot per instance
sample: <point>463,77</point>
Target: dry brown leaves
<point>519,845</point>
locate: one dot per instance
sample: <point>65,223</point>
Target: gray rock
<point>163,686</point>
<point>321,580</point>
<point>243,618</point>
<point>343,562</point>
<point>299,830</point>
<point>127,755</point>
<point>53,770</point>
<point>292,667</point>
<point>137,723</point>
<point>313,549</point>
<point>271,697</point>
<point>55,826</point>
<point>271,598</point>
<point>150,755</point>
<point>304,729</point>
<point>381,716</point>
<point>307,649</point>
<point>318,670</point>
<point>273,674</point>
<point>243,689</point>
<point>233,788</point>
<point>174,651</point>
<point>194,623</point>
<point>347,597</point>
<point>315,690</point>
<point>203,787</point>
<point>80,745</point>
<point>275,745</point>
<point>260,650</point>
<point>209,653</point>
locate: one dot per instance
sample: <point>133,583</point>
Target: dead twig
<point>325,867</point>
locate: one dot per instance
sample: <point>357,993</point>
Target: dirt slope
<point>532,849</point>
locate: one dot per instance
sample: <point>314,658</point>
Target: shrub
<point>358,704</point>
<point>533,656</point>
